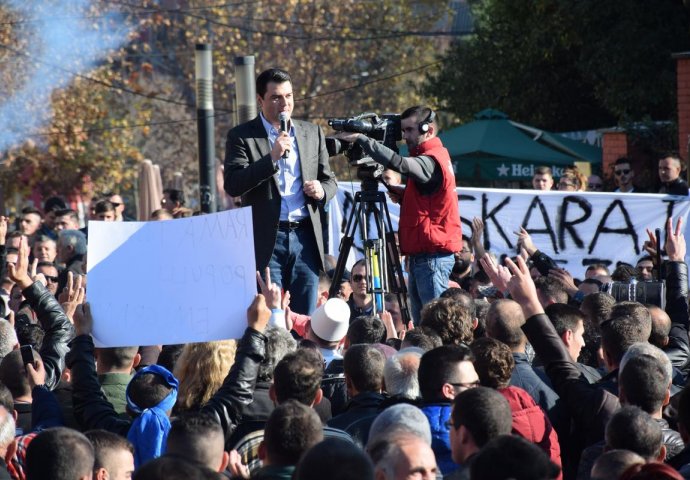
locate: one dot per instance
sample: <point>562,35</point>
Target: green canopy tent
<point>494,148</point>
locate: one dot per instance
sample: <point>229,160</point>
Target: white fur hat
<point>330,321</point>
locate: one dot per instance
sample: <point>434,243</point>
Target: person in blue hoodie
<point>444,372</point>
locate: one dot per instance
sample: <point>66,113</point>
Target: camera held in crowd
<point>385,130</point>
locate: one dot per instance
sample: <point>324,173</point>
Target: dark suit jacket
<point>249,172</point>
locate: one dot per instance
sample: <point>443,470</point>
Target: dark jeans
<point>294,266</point>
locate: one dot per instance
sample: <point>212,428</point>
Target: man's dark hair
<point>291,430</point>
<point>564,317</point>
<point>420,112</point>
<point>661,327</point>
<point>366,329</point>
<point>620,333</point>
<point>193,437</point>
<point>335,459</point>
<point>449,319</point>
<point>67,212</point>
<point>175,195</point>
<point>298,376</point>
<point>116,357</point>
<point>174,468</point>
<point>34,210</point>
<point>634,310</point>
<point>641,381</point>
<point>423,338</point>
<point>364,367</point>
<point>169,356</point>
<point>103,206</point>
<point>512,457</point>
<point>493,362</point>
<point>460,295</point>
<point>504,321</point>
<point>543,170</point>
<point>6,398</point>
<point>104,443</point>
<point>597,306</point>
<point>59,454</point>
<point>622,160</point>
<point>484,412</point>
<point>275,75</point>
<point>279,343</point>
<point>439,366</point>
<point>148,390</point>
<point>623,273</point>
<point>13,374</point>
<point>29,333</point>
<point>53,204</point>
<point>551,289</point>
<point>633,429</point>
<point>592,281</point>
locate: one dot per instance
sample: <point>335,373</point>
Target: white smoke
<point>62,38</point>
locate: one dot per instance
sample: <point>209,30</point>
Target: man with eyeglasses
<point>623,175</point>
<point>444,372</point>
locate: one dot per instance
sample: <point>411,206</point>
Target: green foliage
<point>565,64</point>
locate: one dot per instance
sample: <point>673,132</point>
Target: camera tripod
<point>383,268</point>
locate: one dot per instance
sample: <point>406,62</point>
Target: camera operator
<point>429,229</point>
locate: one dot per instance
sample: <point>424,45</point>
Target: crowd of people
<point>501,369</point>
<point>670,167</point>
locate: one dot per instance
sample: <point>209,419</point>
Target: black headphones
<point>424,124</point>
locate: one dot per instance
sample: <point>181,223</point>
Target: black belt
<point>292,225</point>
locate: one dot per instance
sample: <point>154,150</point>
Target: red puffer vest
<point>431,223</point>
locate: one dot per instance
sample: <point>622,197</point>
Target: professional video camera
<point>385,130</point>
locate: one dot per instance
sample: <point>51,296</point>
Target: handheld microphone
<point>284,128</point>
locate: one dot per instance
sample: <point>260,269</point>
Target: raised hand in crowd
<point>83,321</point>
<point>3,229</point>
<point>72,295</point>
<point>19,272</point>
<point>387,320</point>
<point>270,290</point>
<point>478,237</point>
<point>525,242</point>
<point>236,467</point>
<point>498,274</point>
<point>258,314</point>
<point>35,373</point>
<point>566,279</point>
<point>522,288</point>
<point>675,241</point>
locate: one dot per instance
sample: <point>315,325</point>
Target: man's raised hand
<point>675,241</point>
<point>270,290</point>
<point>19,272</point>
<point>522,289</point>
<point>72,295</point>
<point>258,314</point>
<point>83,321</point>
<point>498,274</point>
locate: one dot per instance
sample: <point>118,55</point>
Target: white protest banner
<point>575,228</point>
<point>175,281</point>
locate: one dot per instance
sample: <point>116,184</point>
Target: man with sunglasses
<point>623,175</point>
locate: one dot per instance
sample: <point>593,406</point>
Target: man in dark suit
<point>285,177</point>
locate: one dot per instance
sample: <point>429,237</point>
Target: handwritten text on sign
<point>575,228</point>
